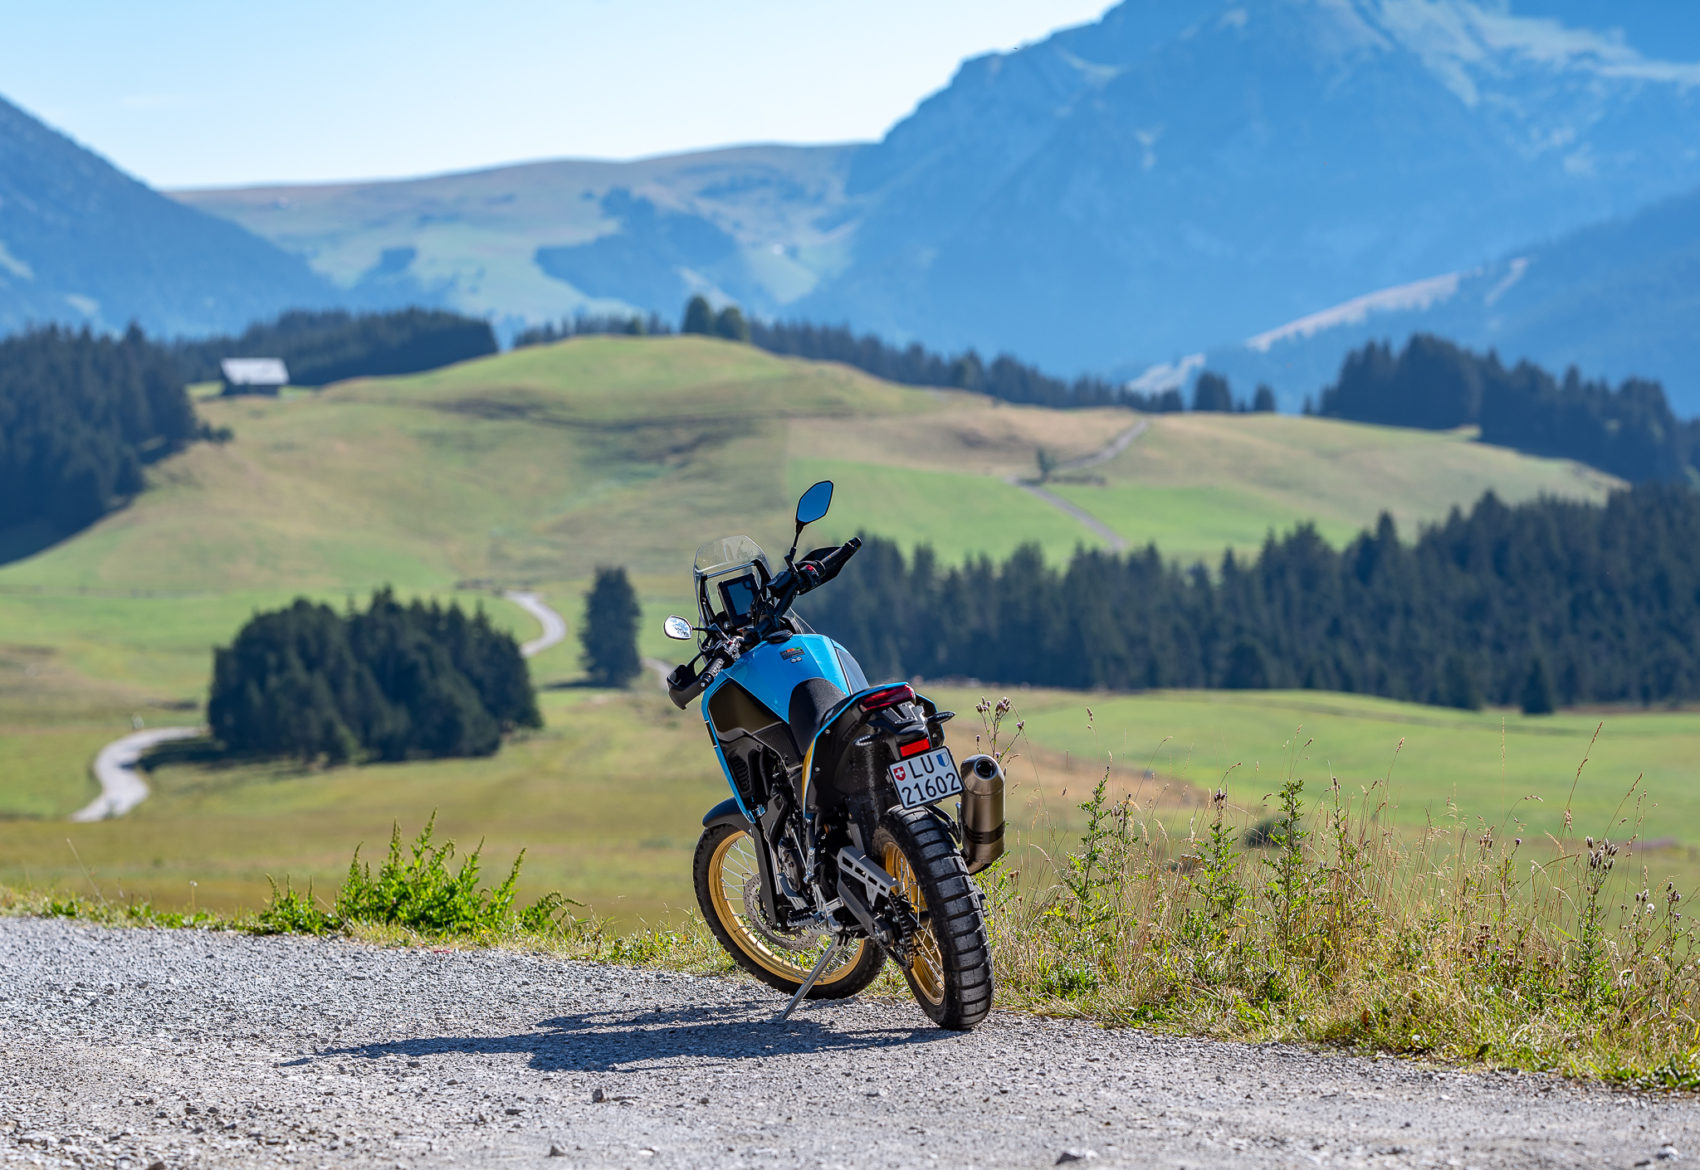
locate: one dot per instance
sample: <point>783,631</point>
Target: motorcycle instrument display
<point>831,855</point>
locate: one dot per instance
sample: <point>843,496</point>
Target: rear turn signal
<point>888,697</point>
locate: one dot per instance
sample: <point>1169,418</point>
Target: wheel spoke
<point>735,875</point>
<point>926,963</point>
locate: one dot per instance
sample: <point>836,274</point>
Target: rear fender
<point>837,766</point>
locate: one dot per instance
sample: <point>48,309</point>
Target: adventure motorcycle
<point>829,855</point>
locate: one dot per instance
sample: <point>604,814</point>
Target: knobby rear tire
<point>727,918</point>
<point>951,973</point>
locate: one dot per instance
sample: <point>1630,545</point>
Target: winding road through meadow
<point>122,787</point>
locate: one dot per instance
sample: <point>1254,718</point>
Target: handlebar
<point>835,561</point>
<point>810,573</point>
<point>683,684</point>
<point>814,571</point>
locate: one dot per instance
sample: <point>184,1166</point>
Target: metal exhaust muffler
<point>981,811</point>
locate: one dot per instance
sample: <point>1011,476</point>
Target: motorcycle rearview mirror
<point>677,628</point>
<point>811,507</point>
<point>814,503</point>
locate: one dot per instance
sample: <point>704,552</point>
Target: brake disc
<point>756,914</point>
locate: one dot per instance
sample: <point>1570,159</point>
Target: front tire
<point>950,973</point>
<point>728,894</point>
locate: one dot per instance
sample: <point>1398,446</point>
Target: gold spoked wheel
<point>729,894</point>
<point>926,967</point>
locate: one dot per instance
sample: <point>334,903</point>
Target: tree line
<point>321,347</point>
<point>1543,604</point>
<point>592,325</point>
<point>80,416</point>
<point>390,683</point>
<point>1003,377</point>
<point>1436,385</point>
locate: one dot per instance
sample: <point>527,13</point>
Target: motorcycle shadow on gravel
<point>607,1041</point>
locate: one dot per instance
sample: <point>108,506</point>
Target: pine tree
<point>1263,402</point>
<point>730,324</point>
<point>699,316</point>
<point>1211,393</point>
<point>1459,687</point>
<point>1537,691</point>
<point>609,635</point>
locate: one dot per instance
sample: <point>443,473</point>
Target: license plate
<point>925,778</point>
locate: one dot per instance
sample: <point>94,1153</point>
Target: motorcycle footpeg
<point>870,922</point>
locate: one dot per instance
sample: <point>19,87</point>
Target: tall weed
<point>418,888</point>
<point>1327,923</point>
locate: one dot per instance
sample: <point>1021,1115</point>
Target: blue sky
<point>195,92</point>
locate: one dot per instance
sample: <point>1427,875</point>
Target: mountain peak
<point>1176,174</point>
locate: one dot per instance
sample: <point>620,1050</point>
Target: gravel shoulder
<point>131,1047</point>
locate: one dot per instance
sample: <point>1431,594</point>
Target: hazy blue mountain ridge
<point>1168,181</point>
<point>1163,192</point>
<point>1616,300</point>
<point>83,243</point>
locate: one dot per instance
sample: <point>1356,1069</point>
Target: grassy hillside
<point>1197,482</point>
<point>539,465</point>
<point>545,462</point>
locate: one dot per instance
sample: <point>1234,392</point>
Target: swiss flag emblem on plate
<point>898,773</point>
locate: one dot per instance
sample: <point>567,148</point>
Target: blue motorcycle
<point>830,855</point>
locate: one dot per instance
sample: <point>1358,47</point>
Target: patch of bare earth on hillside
<point>980,440</point>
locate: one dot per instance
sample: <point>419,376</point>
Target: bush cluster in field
<point>1337,928</point>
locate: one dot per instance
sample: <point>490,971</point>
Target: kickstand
<point>820,965</point>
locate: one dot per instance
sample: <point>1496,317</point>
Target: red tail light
<point>904,751</point>
<point>888,697</point>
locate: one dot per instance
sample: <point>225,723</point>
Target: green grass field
<point>1196,483</point>
<point>607,798</point>
<point>537,466</point>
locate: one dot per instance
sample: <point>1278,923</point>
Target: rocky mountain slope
<point>1166,188</point>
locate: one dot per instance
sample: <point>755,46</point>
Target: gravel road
<point>554,625</point>
<point>139,1048</point>
<point>115,771</point>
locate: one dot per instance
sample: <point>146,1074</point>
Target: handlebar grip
<point>833,562</point>
<point>683,686</point>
